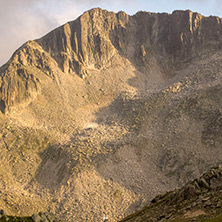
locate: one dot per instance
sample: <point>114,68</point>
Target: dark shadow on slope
<point>182,153</point>
<point>2,106</point>
<point>55,168</point>
<point>133,152</point>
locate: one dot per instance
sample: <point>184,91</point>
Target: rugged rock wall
<point>91,41</point>
<point>198,200</point>
<point>97,35</point>
<point>19,79</point>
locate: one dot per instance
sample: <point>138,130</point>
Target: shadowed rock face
<point>109,110</point>
<point>95,37</point>
<point>198,200</point>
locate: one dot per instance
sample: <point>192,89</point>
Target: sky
<point>23,20</point>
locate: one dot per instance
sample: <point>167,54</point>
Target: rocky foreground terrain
<point>106,112</point>
<point>39,217</point>
<point>199,200</point>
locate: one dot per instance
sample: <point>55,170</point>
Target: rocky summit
<point>106,112</point>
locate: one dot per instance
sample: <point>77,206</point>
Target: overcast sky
<point>22,20</point>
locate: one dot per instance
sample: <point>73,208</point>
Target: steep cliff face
<point>19,83</point>
<point>91,42</point>
<point>95,38</point>
<point>84,43</point>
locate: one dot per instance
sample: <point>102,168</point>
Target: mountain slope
<point>199,200</point>
<point>109,110</point>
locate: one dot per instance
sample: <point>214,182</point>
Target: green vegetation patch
<point>5,218</point>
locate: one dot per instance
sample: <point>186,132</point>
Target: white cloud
<point>19,22</point>
<point>22,20</point>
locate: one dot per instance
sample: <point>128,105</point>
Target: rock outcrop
<point>19,79</point>
<point>198,200</point>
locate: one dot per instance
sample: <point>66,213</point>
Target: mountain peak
<point>98,37</point>
<point>111,110</point>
